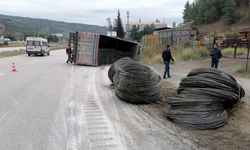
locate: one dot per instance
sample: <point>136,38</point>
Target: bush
<point>240,69</point>
<point>193,54</point>
<point>230,51</point>
<point>6,43</point>
<point>151,54</point>
<point>187,45</point>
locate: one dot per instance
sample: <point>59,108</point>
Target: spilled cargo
<point>95,49</point>
<point>135,82</point>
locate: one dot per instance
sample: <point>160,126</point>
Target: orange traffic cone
<point>13,67</point>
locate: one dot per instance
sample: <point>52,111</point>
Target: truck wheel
<point>28,54</point>
<point>48,53</point>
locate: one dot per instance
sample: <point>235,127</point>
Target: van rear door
<point>33,46</point>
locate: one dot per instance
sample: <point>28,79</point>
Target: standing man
<point>216,55</point>
<point>69,52</point>
<point>167,56</point>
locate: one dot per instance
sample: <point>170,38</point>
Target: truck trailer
<point>94,49</point>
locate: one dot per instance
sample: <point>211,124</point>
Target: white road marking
<point>2,74</point>
<point>35,61</point>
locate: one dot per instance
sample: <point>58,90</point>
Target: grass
<point>240,69</point>
<point>151,54</point>
<point>192,54</point>
<point>230,51</point>
<point>11,53</point>
<point>15,44</point>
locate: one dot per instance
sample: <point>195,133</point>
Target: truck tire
<point>48,53</point>
<point>28,54</point>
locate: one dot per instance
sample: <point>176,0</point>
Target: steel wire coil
<point>135,82</point>
<point>203,99</point>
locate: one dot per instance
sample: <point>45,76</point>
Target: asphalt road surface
<point>50,105</point>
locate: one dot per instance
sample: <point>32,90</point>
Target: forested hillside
<point>20,26</point>
<point>209,11</point>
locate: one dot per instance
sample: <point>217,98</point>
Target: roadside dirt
<point>97,119</point>
<point>235,134</point>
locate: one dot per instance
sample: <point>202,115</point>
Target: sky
<point>96,12</point>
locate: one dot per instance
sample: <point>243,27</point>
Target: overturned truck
<point>95,49</point>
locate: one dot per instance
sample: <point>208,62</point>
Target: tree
<point>242,2</point>
<point>230,11</point>
<point>248,14</point>
<point>135,34</point>
<point>148,29</point>
<point>207,11</point>
<point>211,15</point>
<point>186,13</point>
<point>248,11</point>
<point>120,30</point>
<point>11,37</point>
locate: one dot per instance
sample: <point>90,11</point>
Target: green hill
<point>14,29</point>
<point>24,25</point>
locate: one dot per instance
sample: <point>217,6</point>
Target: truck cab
<point>37,46</point>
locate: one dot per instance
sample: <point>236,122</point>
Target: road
<point>48,104</point>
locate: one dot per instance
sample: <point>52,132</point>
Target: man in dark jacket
<point>216,55</point>
<point>69,53</point>
<point>167,56</point>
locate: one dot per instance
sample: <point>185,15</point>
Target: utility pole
<point>127,23</point>
<point>193,32</point>
<point>109,26</point>
<point>247,46</point>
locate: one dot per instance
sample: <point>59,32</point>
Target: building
<point>1,40</point>
<point>112,33</point>
<point>60,35</point>
<point>141,25</point>
<point>150,39</point>
<point>170,36</point>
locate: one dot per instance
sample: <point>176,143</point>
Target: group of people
<point>167,57</point>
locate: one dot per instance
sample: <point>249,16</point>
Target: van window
<point>44,43</point>
<point>30,43</point>
<point>37,43</point>
<point>33,43</point>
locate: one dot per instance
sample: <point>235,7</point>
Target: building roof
<point>145,23</point>
<point>35,39</point>
<point>162,28</point>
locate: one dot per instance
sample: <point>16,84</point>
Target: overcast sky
<point>96,11</point>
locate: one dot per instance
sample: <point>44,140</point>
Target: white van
<point>37,46</point>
